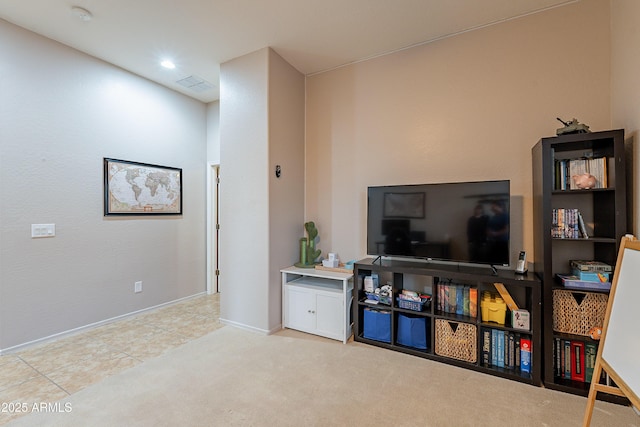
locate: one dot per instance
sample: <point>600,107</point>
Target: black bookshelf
<point>605,213</point>
<point>525,290</point>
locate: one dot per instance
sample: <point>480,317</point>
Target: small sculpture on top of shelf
<point>308,251</point>
<point>571,126</point>
<point>584,181</point>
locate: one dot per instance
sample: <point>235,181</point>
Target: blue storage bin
<point>412,331</point>
<point>377,325</point>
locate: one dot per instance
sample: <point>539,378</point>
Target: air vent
<point>195,83</point>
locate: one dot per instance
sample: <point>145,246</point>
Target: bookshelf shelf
<point>424,277</point>
<point>604,211</point>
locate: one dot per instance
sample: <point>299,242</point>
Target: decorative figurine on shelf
<point>584,181</point>
<point>308,251</point>
<point>571,127</point>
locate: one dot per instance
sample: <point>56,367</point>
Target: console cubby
<point>453,338</point>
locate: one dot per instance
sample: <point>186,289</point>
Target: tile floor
<point>54,370</point>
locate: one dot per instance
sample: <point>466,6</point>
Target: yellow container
<point>493,308</point>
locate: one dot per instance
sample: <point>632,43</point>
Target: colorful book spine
<point>459,300</point>
<point>511,342</point>
<point>567,359</point>
<point>590,352</point>
<point>494,347</point>
<point>516,352</point>
<point>525,355</point>
<point>557,354</point>
<point>446,299</point>
<point>473,302</point>
<point>500,348</point>
<point>465,301</point>
<point>452,298</point>
<point>577,361</point>
<point>486,346</point>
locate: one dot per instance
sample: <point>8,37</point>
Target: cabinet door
<point>330,315</point>
<point>300,306</point>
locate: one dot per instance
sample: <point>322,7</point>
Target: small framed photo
<point>132,188</point>
<point>404,205</point>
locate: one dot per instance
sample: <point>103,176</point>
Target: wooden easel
<point>619,349</point>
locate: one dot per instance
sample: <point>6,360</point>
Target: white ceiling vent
<point>195,83</point>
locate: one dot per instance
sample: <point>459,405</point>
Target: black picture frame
<point>134,188</point>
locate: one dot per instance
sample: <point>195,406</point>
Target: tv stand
<point>429,278</point>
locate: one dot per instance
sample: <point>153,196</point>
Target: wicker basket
<point>456,340</point>
<point>576,312</point>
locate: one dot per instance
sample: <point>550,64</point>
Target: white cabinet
<point>317,302</point>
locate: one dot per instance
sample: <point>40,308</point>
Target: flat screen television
<point>459,222</point>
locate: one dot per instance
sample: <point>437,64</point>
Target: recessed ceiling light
<point>81,13</point>
<point>168,64</point>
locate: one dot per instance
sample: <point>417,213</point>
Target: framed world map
<point>132,188</point>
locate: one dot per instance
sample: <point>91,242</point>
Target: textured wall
<point>465,108</point>
<point>261,125</point>
<point>625,93</point>
<point>61,112</point>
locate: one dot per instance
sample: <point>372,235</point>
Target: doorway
<point>213,227</point>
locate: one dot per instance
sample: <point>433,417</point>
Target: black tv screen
<point>461,222</point>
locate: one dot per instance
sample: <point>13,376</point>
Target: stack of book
<point>506,349</point>
<point>455,298</point>
<point>574,360</point>
<point>568,224</point>
<point>565,169</point>
<point>587,275</point>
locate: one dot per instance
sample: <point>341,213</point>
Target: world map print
<point>137,188</point>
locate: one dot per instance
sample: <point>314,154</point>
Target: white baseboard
<point>250,328</point>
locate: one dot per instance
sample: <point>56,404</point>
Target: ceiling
<point>199,35</point>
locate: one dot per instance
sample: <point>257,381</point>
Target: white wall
<point>261,125</point>
<point>61,112</point>
<point>286,194</point>
<point>625,92</point>
<point>465,108</point>
<point>244,216</point>
<point>213,132</point>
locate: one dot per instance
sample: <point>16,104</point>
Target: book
<point>445,305</point>
<point>574,282</point>
<point>525,355</point>
<point>473,302</point>
<point>452,298</point>
<point>590,353</point>
<point>557,353</point>
<point>567,359</point>
<point>583,265</point>
<point>511,342</point>
<point>459,299</point>
<point>486,346</point>
<point>465,301</point>
<point>494,347</point>
<point>500,348</point>
<point>516,351</point>
<point>591,276</point>
<point>577,361</point>
<point>583,228</point>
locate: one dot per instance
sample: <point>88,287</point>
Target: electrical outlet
<point>137,287</point>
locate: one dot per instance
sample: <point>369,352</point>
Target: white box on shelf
<point>520,319</point>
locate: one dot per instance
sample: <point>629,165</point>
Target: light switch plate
<point>43,230</point>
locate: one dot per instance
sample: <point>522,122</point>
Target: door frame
<point>213,208</point>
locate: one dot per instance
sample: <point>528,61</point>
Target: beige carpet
<point>232,377</point>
